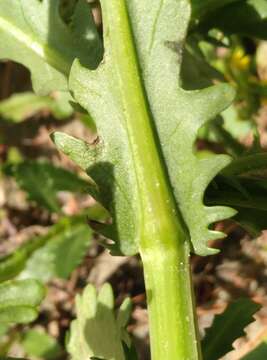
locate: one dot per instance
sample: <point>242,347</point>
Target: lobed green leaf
<point>177,116</point>
<point>97,333</point>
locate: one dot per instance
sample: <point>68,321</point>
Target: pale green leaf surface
<point>227,327</point>
<point>97,332</point>
<point>176,114</point>
<point>33,34</point>
<point>20,107</point>
<point>19,301</point>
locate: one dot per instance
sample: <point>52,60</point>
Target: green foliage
<point>65,246</point>
<point>98,333</point>
<point>202,8</point>
<point>227,327</point>
<point>246,17</point>
<point>30,174</point>
<point>39,344</point>
<point>41,257</point>
<point>19,301</point>
<point>109,174</point>
<point>20,107</point>
<point>25,38</point>
<point>242,185</point>
<point>96,91</point>
<point>149,107</point>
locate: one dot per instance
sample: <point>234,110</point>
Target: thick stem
<point>171,312</point>
<point>163,244</point>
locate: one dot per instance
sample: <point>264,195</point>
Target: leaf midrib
<point>43,51</point>
<point>158,214</point>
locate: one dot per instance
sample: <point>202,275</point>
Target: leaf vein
<point>154,26</point>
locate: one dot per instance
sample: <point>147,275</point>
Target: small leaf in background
<point>247,17</point>
<point>42,181</point>
<point>202,8</point>
<point>12,264</point>
<point>39,344</point>
<point>20,107</point>
<point>243,185</point>
<point>250,166</point>
<point>19,301</point>
<point>65,246</point>
<point>227,327</point>
<point>97,332</point>
<point>252,220</point>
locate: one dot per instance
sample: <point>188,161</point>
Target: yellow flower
<point>239,60</point>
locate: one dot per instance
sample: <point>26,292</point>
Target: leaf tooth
<point>201,236</point>
<point>106,297</point>
<point>216,235</point>
<point>79,151</point>
<point>218,213</point>
<point>201,248</point>
<point>83,303</point>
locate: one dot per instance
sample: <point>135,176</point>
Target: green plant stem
<point>170,305</point>
<point>163,245</point>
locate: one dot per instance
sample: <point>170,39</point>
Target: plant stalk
<point>164,246</point>
<point>173,334</point>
